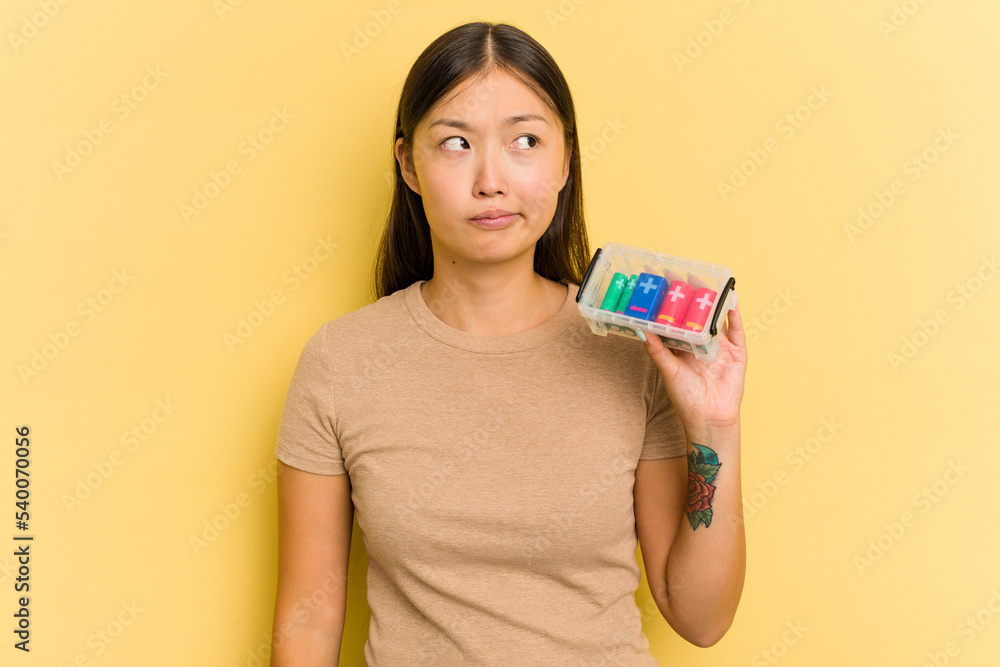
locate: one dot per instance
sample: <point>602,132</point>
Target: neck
<point>492,299</point>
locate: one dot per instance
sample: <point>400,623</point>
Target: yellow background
<point>826,308</point>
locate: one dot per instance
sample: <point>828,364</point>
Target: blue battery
<point>647,296</point>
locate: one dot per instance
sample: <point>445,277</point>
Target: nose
<point>491,173</point>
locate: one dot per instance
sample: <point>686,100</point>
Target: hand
<point>705,394</point>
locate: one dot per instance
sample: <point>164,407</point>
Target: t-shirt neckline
<point>484,343</point>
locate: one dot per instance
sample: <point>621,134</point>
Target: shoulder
<point>623,353</point>
<point>364,327</point>
<point>611,361</point>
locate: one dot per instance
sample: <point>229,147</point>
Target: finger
<point>734,328</point>
<point>662,355</point>
<point>650,344</point>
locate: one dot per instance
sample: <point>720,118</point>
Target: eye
<point>450,138</point>
<point>528,136</point>
<point>454,146</point>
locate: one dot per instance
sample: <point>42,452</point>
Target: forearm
<point>307,634</point>
<point>305,647</point>
<point>707,562</point>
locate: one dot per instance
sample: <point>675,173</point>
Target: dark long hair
<point>405,254</point>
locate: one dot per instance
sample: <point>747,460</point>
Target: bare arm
<point>695,574</point>
<point>689,511</point>
<point>315,517</point>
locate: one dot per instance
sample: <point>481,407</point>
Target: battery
<point>647,296</point>
<point>675,304</point>
<point>627,294</point>
<point>699,310</point>
<point>614,293</point>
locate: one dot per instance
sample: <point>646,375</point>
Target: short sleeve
<point>306,436</point>
<point>665,437</point>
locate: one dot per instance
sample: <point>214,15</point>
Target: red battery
<point>675,303</point>
<point>699,310</point>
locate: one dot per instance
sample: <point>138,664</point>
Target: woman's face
<point>492,145</point>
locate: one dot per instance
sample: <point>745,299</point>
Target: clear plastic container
<point>683,301</point>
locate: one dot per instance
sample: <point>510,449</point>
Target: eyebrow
<point>511,120</point>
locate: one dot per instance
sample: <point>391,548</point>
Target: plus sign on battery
<point>672,312</point>
<point>697,317</point>
<point>646,301</point>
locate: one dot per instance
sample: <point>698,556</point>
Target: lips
<point>501,222</point>
<point>492,213</point>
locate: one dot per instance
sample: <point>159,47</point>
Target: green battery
<point>627,294</point>
<point>614,292</point>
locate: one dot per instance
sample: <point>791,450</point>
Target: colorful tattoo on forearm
<point>703,466</point>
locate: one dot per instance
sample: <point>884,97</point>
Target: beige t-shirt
<point>492,480</point>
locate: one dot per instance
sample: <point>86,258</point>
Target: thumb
<point>662,356</point>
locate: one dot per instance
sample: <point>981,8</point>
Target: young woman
<point>502,459</point>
